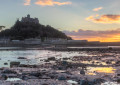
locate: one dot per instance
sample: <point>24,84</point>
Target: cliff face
<point>23,30</point>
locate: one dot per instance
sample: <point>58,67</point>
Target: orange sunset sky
<point>92,20</point>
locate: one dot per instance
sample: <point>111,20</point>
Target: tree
<point>24,30</point>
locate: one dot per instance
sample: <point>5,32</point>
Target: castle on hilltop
<point>29,19</point>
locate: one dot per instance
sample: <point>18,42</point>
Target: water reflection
<point>13,79</point>
<point>35,56</point>
<point>102,69</point>
<point>110,83</point>
<point>91,73</point>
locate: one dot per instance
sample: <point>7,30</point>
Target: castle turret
<point>28,16</point>
<point>28,19</point>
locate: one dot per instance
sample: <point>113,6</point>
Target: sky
<point>92,20</point>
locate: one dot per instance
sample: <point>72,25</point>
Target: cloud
<point>51,3</point>
<point>106,19</point>
<point>27,2</point>
<point>97,9</point>
<point>91,35</point>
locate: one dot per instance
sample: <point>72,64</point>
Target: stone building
<point>29,19</point>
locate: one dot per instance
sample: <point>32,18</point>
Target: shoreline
<point>86,48</point>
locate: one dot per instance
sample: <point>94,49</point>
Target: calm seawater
<point>33,56</point>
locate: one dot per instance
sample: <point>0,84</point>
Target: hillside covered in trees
<point>24,30</point>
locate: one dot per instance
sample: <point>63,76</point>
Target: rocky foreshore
<point>96,68</point>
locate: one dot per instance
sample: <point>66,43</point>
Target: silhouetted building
<point>77,41</point>
<point>4,40</point>
<point>32,41</point>
<point>29,19</point>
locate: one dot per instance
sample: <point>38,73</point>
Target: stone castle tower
<point>29,19</point>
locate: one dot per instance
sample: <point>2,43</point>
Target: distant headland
<point>29,27</point>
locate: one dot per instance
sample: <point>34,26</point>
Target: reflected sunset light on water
<point>103,69</point>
